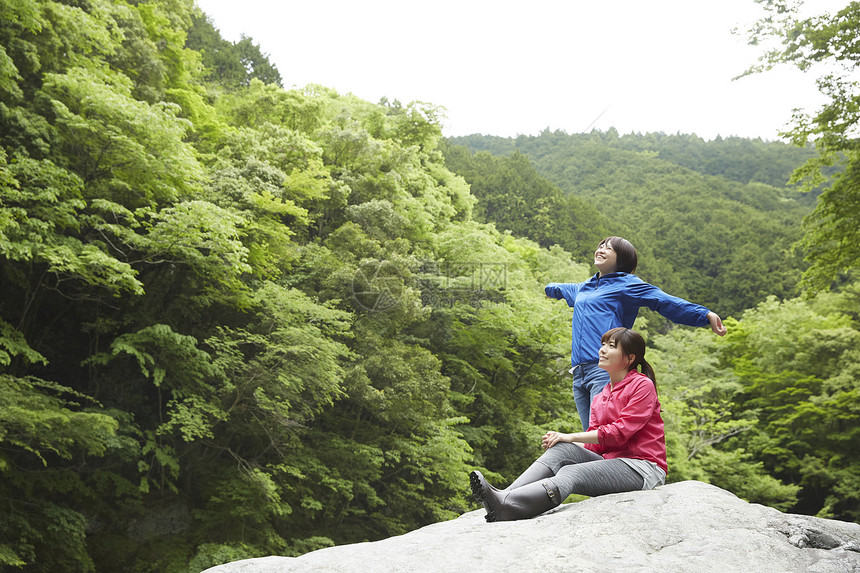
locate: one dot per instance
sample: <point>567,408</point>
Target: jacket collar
<point>626,380</point>
<point>597,276</point>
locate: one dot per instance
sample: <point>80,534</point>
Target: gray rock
<point>684,527</point>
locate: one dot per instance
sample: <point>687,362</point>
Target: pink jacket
<point>628,422</point>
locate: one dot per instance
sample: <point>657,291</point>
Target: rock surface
<point>684,527</point>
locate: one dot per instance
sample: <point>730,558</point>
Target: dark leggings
<point>581,471</point>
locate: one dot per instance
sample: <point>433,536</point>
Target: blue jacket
<point>602,303</point>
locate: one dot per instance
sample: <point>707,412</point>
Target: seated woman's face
<point>611,356</point>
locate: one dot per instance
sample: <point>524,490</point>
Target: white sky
<point>507,68</point>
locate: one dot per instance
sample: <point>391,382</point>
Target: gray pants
<point>581,471</point>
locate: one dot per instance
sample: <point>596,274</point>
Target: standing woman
<point>625,447</point>
<point>609,299</point>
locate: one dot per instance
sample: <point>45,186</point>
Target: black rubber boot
<point>536,471</point>
<point>520,503</point>
<point>484,492</point>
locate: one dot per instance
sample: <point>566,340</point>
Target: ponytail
<point>646,369</point>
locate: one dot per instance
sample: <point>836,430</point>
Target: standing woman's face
<point>605,258</point>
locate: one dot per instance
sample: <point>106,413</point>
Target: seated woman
<point>624,448</point>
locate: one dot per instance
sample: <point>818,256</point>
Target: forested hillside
<point>514,197</point>
<point>238,320</point>
<point>716,220</point>
<point>733,158</point>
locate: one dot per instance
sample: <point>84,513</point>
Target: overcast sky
<point>508,68</point>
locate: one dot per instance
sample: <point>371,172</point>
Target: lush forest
<point>238,320</point>
<point>681,200</point>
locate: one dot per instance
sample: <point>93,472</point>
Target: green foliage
<point>697,393</point>
<point>42,422</point>
<point>514,197</point>
<point>227,63</point>
<point>826,43</point>
<point>42,210</point>
<point>778,395</point>
<point>736,472</point>
<point>698,223</point>
<point>13,344</point>
<point>831,238</point>
<point>119,146</point>
<point>732,158</point>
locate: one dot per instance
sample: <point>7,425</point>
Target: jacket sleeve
<point>593,425</point>
<point>567,291</point>
<point>676,309</point>
<point>639,408</point>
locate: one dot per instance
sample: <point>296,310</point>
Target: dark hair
<point>631,342</point>
<point>626,257</point>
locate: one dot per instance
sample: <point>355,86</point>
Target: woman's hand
<point>552,438</point>
<point>716,324</point>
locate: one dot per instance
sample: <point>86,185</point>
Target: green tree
<point>825,42</point>
<point>694,227</point>
<point>698,391</point>
<point>777,396</point>
<point>227,63</point>
<point>515,198</point>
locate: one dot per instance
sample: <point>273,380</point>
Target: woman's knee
<point>564,453</point>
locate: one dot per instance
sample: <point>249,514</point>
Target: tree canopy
<point>825,44</point>
<point>714,222</point>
